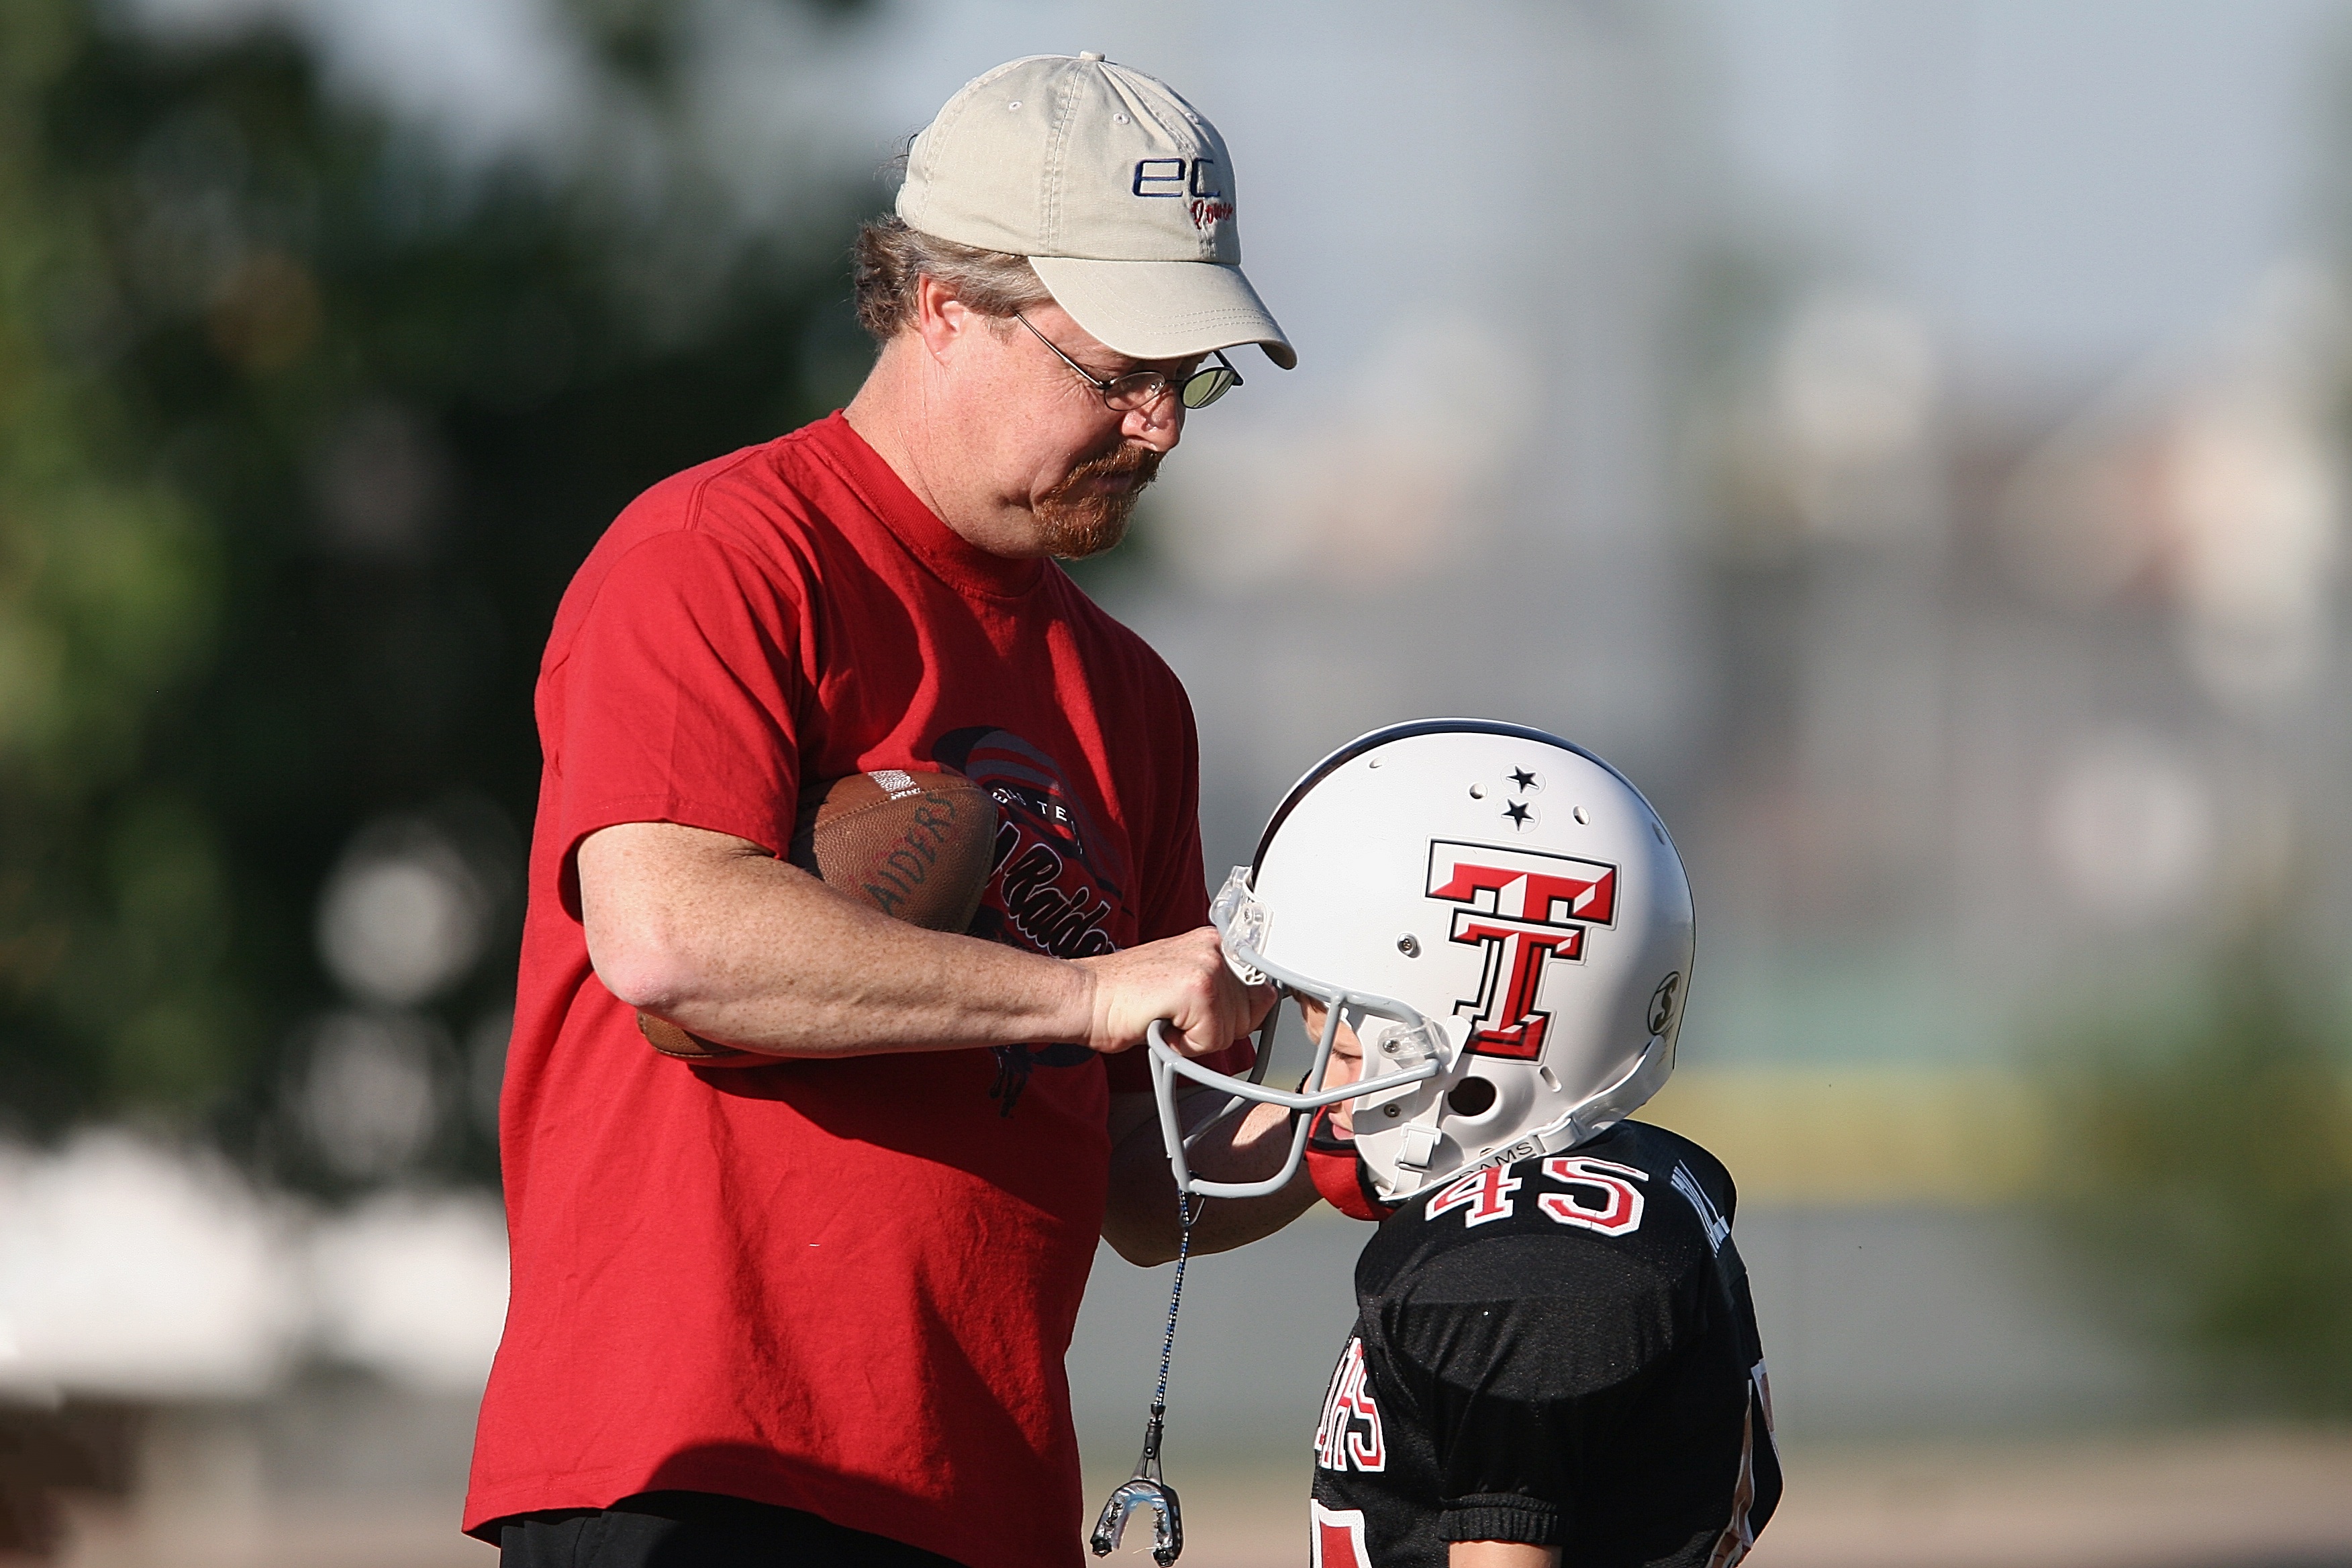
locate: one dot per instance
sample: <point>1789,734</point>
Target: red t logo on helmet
<point>1525,909</point>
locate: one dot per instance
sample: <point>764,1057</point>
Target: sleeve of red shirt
<point>680,700</point>
<point>1175,899</point>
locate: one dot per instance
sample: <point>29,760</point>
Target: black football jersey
<point>1562,1351</point>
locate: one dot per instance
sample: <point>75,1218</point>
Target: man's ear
<point>943,322</point>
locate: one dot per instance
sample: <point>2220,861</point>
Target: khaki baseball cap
<point>1117,191</point>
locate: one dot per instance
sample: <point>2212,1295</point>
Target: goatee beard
<point>1076,520</point>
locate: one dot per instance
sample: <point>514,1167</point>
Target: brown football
<point>917,846</point>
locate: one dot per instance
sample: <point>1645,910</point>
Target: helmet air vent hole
<point>1471,1096</point>
<point>1659,832</point>
<point>1582,815</point>
<point>1478,792</point>
<point>1410,945</point>
<point>1550,1078</point>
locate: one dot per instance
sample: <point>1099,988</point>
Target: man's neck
<point>900,412</point>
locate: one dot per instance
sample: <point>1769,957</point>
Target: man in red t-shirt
<point>816,1311</point>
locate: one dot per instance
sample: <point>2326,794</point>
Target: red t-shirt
<point>841,1286</point>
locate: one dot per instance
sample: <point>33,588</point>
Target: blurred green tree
<point>2204,1172</point>
<point>302,431</point>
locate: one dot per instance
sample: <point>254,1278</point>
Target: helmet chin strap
<point>1146,1489</point>
<point>1242,923</point>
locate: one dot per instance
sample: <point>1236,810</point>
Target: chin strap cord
<point>1146,1489</point>
<point>1188,1209</point>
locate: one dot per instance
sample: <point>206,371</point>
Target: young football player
<point>1555,1358</point>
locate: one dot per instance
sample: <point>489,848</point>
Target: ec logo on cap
<point>1173,177</point>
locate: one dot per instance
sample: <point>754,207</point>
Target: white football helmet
<point>1502,919</point>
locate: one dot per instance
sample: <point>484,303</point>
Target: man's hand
<point>1183,979</point>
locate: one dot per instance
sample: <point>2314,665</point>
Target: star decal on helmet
<point>1523,779</point>
<point>1517,812</point>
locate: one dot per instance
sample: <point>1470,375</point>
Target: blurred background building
<point>1908,437</point>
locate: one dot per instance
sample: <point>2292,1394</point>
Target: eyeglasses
<point>1142,388</point>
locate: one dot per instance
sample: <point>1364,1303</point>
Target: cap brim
<point>1163,309</point>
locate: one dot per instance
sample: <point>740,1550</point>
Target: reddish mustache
<point>1118,462</point>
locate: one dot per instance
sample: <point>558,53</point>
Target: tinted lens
<point>1205,385</point>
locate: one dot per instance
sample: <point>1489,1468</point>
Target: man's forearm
<point>722,939</point>
<point>728,941</point>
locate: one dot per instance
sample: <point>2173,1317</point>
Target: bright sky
<point>2058,185</point>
